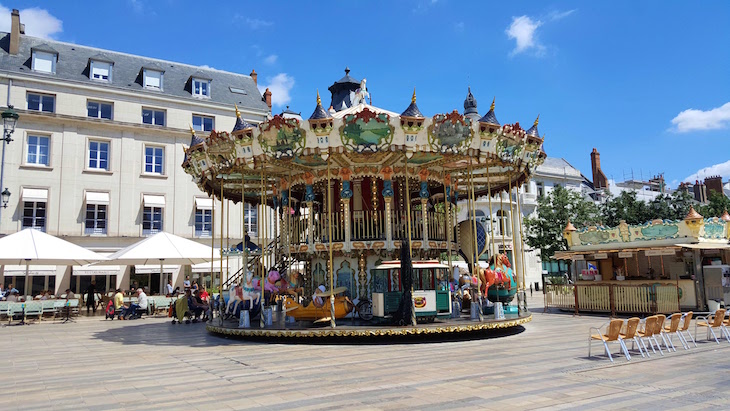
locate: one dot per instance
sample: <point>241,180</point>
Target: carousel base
<point>357,330</point>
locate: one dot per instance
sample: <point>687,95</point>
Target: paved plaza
<point>151,364</point>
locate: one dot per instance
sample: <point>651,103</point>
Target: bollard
<point>268,316</point>
<point>455,309</point>
<point>244,320</point>
<point>474,311</point>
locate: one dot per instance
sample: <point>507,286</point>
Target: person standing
<point>90,297</point>
<point>186,283</point>
<point>170,290</point>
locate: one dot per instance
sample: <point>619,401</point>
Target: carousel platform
<point>348,329</point>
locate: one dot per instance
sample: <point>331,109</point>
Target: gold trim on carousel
<point>367,332</point>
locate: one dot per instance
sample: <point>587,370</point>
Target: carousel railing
<point>400,225</point>
<point>321,229</point>
<point>368,225</point>
<point>299,229</point>
<point>613,298</point>
<point>437,225</point>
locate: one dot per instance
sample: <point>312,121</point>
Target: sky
<point>646,83</point>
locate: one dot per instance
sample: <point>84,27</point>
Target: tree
<point>624,207</point>
<point>681,202</point>
<point>715,207</point>
<point>545,231</point>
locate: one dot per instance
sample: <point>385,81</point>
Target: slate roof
<point>320,113</point>
<point>489,118</point>
<point>240,125</point>
<point>412,111</point>
<point>73,65</point>
<point>532,131</point>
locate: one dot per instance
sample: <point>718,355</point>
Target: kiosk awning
<point>706,246</point>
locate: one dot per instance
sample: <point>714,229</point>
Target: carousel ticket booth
<point>659,267</point>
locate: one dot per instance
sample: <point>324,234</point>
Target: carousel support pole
<point>472,209</point>
<point>516,272</point>
<point>491,216</point>
<point>262,247</point>
<point>212,257</point>
<point>447,222</point>
<point>223,209</point>
<point>424,218</point>
<point>388,222</point>
<point>410,247</point>
<point>289,222</point>
<point>329,238</point>
<point>228,239</point>
<point>310,225</point>
<point>522,244</point>
<point>244,250</point>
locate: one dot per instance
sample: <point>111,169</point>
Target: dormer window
<point>201,87</point>
<point>101,71</point>
<point>44,61</point>
<point>153,79</point>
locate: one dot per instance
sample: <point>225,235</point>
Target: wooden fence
<point>613,298</point>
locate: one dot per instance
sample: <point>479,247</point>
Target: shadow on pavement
<point>161,333</point>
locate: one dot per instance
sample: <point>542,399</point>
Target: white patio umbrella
<point>162,248</point>
<point>29,245</point>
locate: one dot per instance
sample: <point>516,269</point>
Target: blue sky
<point>647,83</point>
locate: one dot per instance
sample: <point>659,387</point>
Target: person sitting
<point>296,285</point>
<point>70,294</point>
<point>13,297</point>
<point>317,299</point>
<point>118,302</point>
<point>195,304</point>
<point>135,308</point>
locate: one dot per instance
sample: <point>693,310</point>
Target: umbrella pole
<point>25,286</point>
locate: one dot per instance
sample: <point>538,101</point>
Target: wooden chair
<point>673,328</point>
<point>685,328</point>
<point>632,325</point>
<point>659,330</point>
<point>647,334</point>
<point>613,329</point>
<point>711,322</point>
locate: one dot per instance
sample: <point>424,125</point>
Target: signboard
<point>579,257</point>
<point>625,254</point>
<point>424,301</point>
<point>653,253</point>
<point>600,256</point>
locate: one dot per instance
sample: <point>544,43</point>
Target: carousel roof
<point>241,124</point>
<point>412,110</point>
<point>470,106</point>
<point>364,141</point>
<point>490,117</point>
<point>532,131</point>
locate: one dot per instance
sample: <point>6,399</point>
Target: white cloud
<point>271,59</point>
<point>557,15</point>
<point>459,27</point>
<point>255,24</point>
<point>522,30</point>
<point>38,22</point>
<point>695,120</point>
<point>280,85</point>
<point>722,169</point>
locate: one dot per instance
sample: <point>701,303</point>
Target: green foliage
<point>553,212</point>
<point>624,207</point>
<point>715,207</point>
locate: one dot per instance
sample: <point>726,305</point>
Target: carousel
<point>364,203</point>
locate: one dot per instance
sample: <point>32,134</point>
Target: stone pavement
<point>151,364</point>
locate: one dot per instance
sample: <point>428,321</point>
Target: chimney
<point>714,185</point>
<point>16,29</point>
<point>267,97</point>
<point>599,179</point>
<point>254,76</point>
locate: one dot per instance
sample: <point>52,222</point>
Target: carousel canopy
<point>354,139</point>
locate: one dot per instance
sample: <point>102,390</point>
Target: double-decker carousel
<point>364,203</point>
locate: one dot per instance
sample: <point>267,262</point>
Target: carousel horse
<point>249,292</point>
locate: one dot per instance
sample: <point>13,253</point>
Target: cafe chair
<point>712,322</point>
<point>673,328</point>
<point>685,328</point>
<point>647,334</point>
<point>632,325</point>
<point>612,334</point>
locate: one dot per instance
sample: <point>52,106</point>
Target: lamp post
<point>10,118</point>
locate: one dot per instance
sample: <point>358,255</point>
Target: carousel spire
<point>412,110</point>
<point>194,140</point>
<point>319,111</point>
<point>490,118</point>
<point>470,106</point>
<point>241,124</point>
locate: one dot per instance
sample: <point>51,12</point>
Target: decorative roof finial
<point>191,129</point>
<point>413,100</point>
<point>537,119</point>
<point>319,100</point>
<point>492,106</point>
<point>347,70</point>
<point>238,113</point>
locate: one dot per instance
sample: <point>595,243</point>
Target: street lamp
<point>10,118</point>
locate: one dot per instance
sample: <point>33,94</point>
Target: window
<point>96,109</point>
<point>98,155</point>
<point>503,218</point>
<point>201,88</point>
<point>38,150</point>
<point>41,102</point>
<point>44,62</point>
<point>152,220</point>
<point>34,215</point>
<point>95,219</point>
<point>156,117</point>
<point>153,157</point>
<point>202,123</point>
<point>152,79</point>
<point>203,222</point>
<point>251,220</point>
<point>540,188</point>
<point>101,71</point>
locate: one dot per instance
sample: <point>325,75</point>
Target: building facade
<point>95,157</point>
